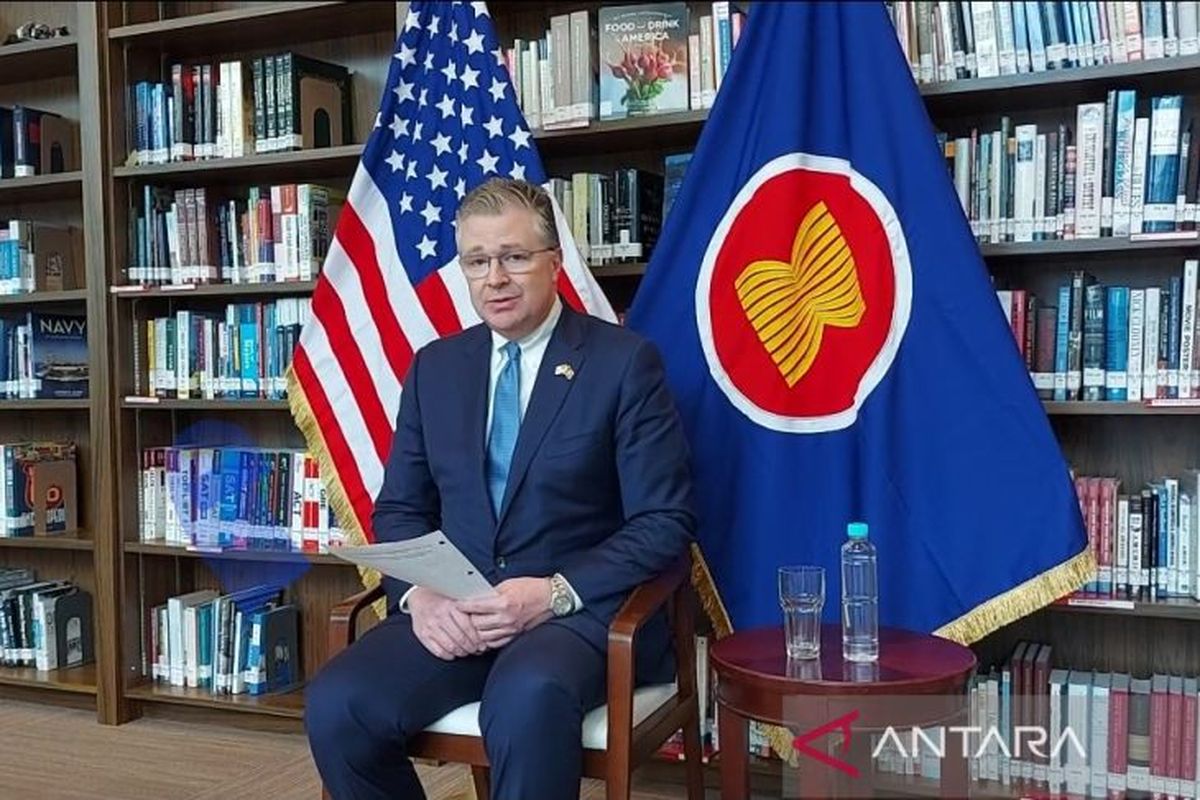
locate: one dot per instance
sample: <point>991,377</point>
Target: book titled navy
<point>59,354</point>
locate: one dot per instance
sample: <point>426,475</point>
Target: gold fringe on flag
<point>335,492</point>
<point>1020,601</point>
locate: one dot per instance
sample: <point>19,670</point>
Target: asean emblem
<point>804,294</point>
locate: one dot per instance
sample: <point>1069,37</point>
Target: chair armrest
<point>646,600</point>
<point>668,589</point>
<point>343,619</point>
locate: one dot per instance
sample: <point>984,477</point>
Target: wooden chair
<point>617,737</point>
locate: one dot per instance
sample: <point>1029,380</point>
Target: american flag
<point>448,121</point>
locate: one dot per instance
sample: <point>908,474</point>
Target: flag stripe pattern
<point>448,120</point>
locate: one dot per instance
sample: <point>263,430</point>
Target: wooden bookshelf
<point>287,704</point>
<point>1061,87</point>
<point>257,26</point>
<point>1169,608</point>
<point>329,162</point>
<point>70,540</point>
<point>40,188</point>
<point>38,60</point>
<point>249,404</point>
<point>679,129</point>
<point>77,680</point>
<point>175,551</point>
<point>233,291</point>
<point>43,298</point>
<point>1112,408</point>
<point>619,270</point>
<point>1073,248</point>
<point>44,405</point>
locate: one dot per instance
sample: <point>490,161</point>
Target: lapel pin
<point>565,369</point>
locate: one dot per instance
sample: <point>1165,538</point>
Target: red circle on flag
<point>806,294</point>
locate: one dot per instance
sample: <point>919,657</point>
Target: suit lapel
<point>549,392</point>
<point>477,357</point>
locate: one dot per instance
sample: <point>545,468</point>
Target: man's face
<point>511,303</point>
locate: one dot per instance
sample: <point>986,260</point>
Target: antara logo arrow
<point>842,724</point>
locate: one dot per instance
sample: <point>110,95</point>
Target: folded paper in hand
<point>431,561</point>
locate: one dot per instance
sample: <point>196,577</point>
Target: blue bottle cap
<point>857,530</point>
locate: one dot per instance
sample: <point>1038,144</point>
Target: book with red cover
<point>1041,709</point>
<point>1174,733</point>
<point>1187,748</point>
<point>1159,713</point>
<point>1017,705</point>
<point>1118,736</point>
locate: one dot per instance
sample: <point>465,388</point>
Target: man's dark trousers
<point>365,703</point>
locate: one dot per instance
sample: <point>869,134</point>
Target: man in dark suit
<point>545,445</point>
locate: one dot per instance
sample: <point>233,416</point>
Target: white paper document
<point>431,561</point>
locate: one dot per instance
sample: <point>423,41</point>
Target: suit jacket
<point>599,487</point>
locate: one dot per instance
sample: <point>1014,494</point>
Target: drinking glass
<point>802,597</point>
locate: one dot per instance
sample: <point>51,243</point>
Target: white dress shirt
<point>533,349</point>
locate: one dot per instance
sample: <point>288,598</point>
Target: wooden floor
<point>52,753</point>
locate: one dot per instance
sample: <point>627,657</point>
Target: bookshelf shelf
<point>1170,608</point>
<point>619,270</point>
<point>174,551</point>
<point>257,26</point>
<point>1110,408</point>
<point>46,58</point>
<point>233,290</point>
<point>152,403</point>
<point>58,186</point>
<point>291,165</point>
<point>680,128</point>
<point>44,405</point>
<point>288,704</point>
<point>1069,248</point>
<point>79,680</point>
<point>43,298</point>
<point>1061,86</point>
<point>75,540</point>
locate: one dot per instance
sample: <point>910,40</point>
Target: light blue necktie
<point>506,423</point>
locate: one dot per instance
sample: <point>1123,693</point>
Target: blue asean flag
<point>837,351</point>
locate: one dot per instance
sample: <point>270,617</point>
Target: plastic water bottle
<point>860,596</point>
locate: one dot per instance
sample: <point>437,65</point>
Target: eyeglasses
<point>514,262</point>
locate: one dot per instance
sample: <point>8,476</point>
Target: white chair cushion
<point>464,720</point>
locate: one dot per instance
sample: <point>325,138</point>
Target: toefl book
<point>643,60</point>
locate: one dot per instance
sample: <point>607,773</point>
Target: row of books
<point>43,355</point>
<point>38,486</point>
<point>1110,342</point>
<point>615,217</point>
<point>43,624</point>
<point>237,108</point>
<point>1106,734</point>
<point>1117,173</point>
<point>271,234</point>
<point>245,642</point>
<point>235,498</point>
<point>1144,540</point>
<point>946,41</point>
<point>242,352</point>
<point>39,257</point>
<point>36,142</point>
<point>649,59</point>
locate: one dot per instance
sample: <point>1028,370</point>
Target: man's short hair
<point>498,194</point>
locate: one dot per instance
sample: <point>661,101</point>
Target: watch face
<point>562,604</point>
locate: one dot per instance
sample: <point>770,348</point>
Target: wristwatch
<point>561,601</point>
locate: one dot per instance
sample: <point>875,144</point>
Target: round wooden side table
<point>919,680</point>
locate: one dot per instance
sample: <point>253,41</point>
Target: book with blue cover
<point>59,354</point>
